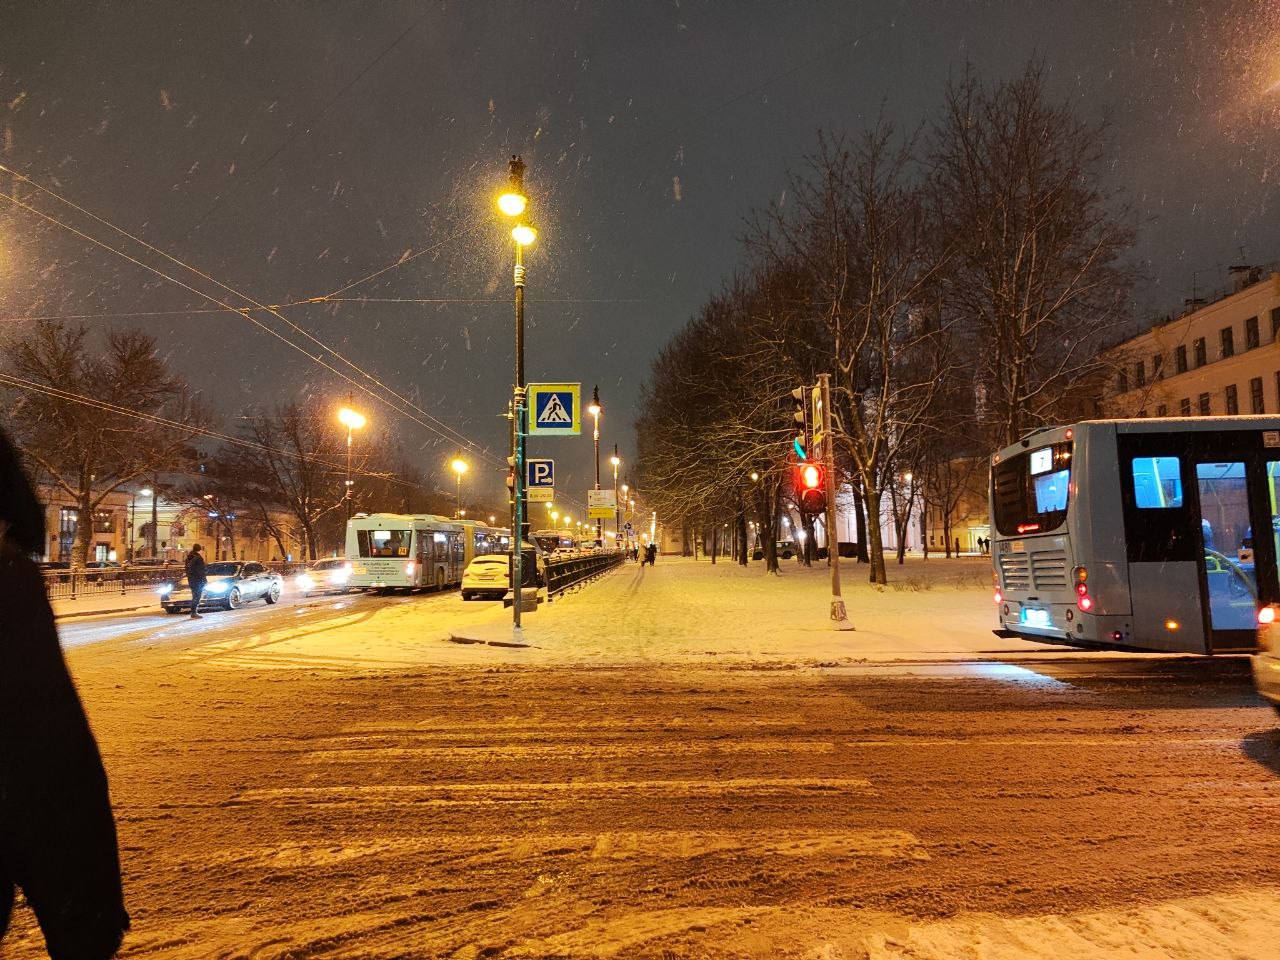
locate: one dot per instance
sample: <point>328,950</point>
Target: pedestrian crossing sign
<point>555,409</point>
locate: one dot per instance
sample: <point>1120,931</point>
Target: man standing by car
<point>196,578</point>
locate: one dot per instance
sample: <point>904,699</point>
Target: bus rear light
<point>1082,589</point>
<point>1070,433</point>
<point>1085,602</point>
<point>1081,574</point>
<point>1171,625</point>
<point>998,598</point>
<point>1117,636</point>
<point>1028,527</point>
<point>1267,615</point>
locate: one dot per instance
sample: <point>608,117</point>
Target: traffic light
<point>801,443</point>
<point>811,487</point>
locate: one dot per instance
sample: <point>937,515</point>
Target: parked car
<point>232,584</point>
<point>1266,662</point>
<point>331,575</point>
<point>488,576</point>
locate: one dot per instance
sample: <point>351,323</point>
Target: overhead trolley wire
<point>35,386</point>
<point>442,429</point>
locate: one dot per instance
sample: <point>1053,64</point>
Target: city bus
<point>406,551</point>
<point>1145,533</point>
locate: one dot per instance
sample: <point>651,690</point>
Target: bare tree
<point>1039,243</point>
<point>92,419</point>
<point>859,235</point>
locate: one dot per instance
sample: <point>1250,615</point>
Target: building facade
<point>122,530</point>
<point>1217,359</point>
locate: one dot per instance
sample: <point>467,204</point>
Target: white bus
<point>1152,533</point>
<point>405,552</point>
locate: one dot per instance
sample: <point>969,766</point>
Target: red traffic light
<point>811,476</point>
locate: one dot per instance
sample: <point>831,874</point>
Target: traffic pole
<point>838,612</point>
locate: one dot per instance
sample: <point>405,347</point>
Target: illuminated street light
<point>353,420</point>
<point>459,466</point>
<point>512,204</point>
<point>755,477</point>
<point>617,507</point>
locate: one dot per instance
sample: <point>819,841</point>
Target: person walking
<point>197,577</point>
<point>57,833</point>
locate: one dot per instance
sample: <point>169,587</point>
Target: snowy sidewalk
<point>680,611</point>
<point>106,603</point>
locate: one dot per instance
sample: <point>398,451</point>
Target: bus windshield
<point>384,543</point>
<point>1030,490</point>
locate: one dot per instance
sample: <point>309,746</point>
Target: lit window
<point>1157,483</point>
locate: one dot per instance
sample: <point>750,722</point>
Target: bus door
<point>1236,498</point>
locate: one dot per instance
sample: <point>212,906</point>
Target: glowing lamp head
<point>145,491</point>
<point>615,460</point>
<point>351,419</point>
<point>1267,615</point>
<point>523,234</point>
<point>512,203</point>
<point>754,476</point>
<point>459,466</point>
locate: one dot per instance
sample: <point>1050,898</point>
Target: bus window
<point>384,543</point>
<point>1051,491</point>
<point>1030,490</point>
<point>1157,483</point>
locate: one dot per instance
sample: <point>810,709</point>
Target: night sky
<point>288,149</point>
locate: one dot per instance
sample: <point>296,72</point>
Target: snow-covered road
<point>468,804</point>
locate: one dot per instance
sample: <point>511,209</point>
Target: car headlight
<point>216,588</point>
<point>340,575</point>
<point>304,582</point>
<point>165,589</point>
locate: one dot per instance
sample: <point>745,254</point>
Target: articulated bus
<point>1160,534</point>
<point>416,551</point>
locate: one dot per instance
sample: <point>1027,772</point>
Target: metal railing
<point>71,584</point>
<point>562,575</point>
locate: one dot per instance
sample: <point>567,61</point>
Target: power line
<point>445,431</point>
<point>57,393</point>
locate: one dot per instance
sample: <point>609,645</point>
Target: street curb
<point>102,613</point>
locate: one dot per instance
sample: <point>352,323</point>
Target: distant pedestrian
<point>197,577</point>
<point>651,553</point>
<point>57,834</point>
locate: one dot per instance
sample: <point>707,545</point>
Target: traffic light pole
<point>838,612</point>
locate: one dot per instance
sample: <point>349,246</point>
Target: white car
<point>488,576</point>
<point>230,585</point>
<point>331,575</point>
<point>1266,662</point>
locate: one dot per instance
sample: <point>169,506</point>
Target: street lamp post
<point>616,461</point>
<point>353,420</point>
<point>595,410</point>
<point>513,203</point>
<point>459,467</point>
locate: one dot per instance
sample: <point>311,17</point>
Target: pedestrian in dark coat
<point>57,835</point>
<point>197,577</point>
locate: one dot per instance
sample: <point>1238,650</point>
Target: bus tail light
<point>1085,602</point>
<point>997,598</point>
<point>1080,574</point>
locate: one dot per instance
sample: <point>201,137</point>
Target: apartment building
<point>1219,358</point>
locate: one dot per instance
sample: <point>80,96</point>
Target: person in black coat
<point>197,577</point>
<point>57,834</point>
